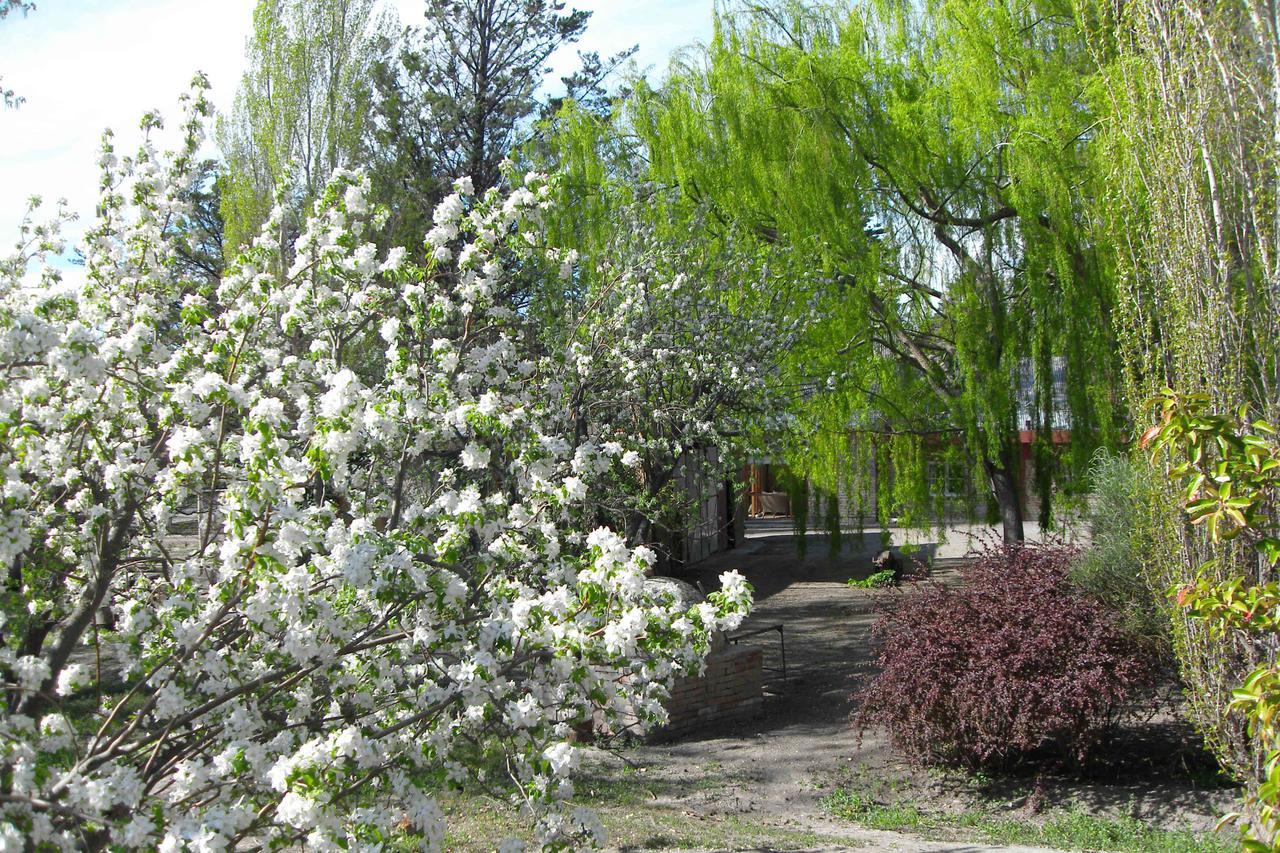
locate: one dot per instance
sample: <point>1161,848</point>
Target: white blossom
<point>474,457</point>
<point>326,559</point>
<point>562,757</point>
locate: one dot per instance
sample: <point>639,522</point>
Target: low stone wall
<point>732,688</point>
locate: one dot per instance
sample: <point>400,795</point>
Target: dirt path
<point>775,771</point>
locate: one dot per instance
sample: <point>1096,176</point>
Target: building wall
<point>731,688</point>
<point>717,519</point>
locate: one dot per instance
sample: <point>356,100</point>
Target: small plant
<point>872,814</point>
<point>1015,664</point>
<point>878,580</point>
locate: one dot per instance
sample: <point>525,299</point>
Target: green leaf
<point>1200,507</point>
<point>1194,486</point>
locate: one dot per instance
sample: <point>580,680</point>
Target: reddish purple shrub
<point>1014,662</point>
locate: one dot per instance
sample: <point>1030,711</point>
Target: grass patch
<point>657,828</point>
<point>479,824</point>
<point>1071,830</point>
<point>639,812</point>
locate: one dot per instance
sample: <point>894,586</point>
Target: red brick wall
<point>732,688</point>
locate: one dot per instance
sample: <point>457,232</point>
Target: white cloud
<point>94,64</point>
<point>85,65</point>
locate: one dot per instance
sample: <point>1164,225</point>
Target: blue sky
<point>84,65</point>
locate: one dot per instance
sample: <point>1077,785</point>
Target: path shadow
<point>773,561</point>
<point>1156,770</point>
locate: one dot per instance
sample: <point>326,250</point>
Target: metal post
<point>782,641</point>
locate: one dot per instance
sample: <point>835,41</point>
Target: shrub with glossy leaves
<point>1013,664</point>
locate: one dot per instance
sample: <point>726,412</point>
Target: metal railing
<point>782,643</point>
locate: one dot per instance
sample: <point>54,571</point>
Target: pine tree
<point>476,66</point>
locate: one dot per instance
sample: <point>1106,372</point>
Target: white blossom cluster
<point>675,367</point>
<point>388,570</point>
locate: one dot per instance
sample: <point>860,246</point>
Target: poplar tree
<point>1189,143</point>
<point>302,105</point>
<point>928,163</point>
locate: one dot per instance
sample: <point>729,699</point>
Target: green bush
<point>1112,567</point>
<point>879,580</point>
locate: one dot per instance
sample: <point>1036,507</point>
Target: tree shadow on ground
<point>1154,769</point>
<point>1146,770</point>
<point>775,561</point>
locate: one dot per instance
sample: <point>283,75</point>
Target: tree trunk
<point>1004,487</point>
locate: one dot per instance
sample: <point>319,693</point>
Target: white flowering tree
<point>672,359</point>
<point>285,555</point>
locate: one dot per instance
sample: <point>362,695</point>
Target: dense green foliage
<point>1189,153</point>
<point>928,165</point>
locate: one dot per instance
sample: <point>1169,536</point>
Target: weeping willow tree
<point>1189,144</point>
<point>927,165</point>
